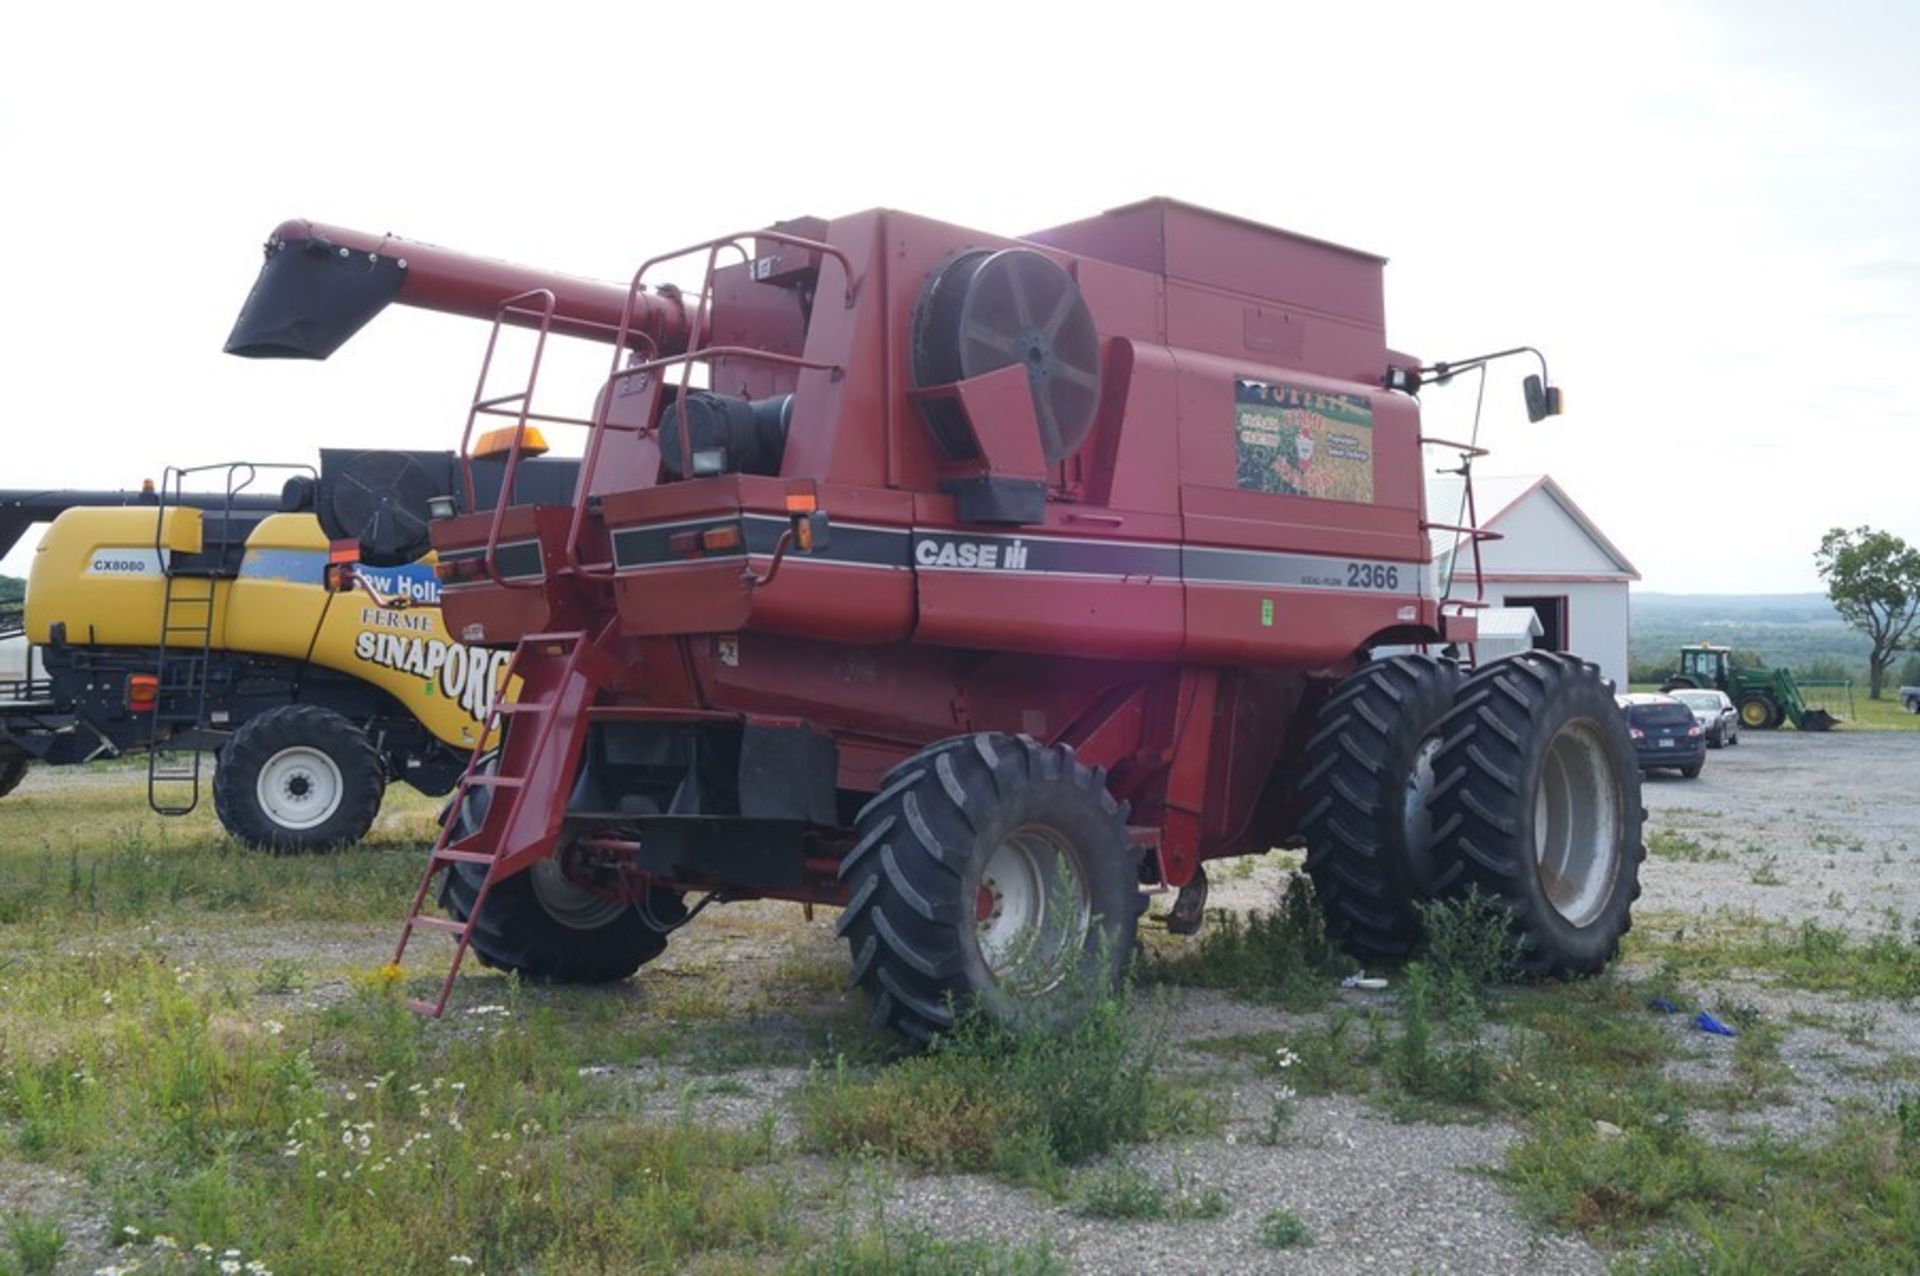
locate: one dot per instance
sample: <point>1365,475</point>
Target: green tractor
<point>1763,697</point>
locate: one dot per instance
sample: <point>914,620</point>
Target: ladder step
<point>463,857</point>
<point>446,924</point>
<point>431,1009</point>
<point>520,706</point>
<point>494,780</point>
<point>574,636</point>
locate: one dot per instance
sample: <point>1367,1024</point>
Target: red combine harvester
<point>975,585</point>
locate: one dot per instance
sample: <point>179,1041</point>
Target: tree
<point>1873,579</point>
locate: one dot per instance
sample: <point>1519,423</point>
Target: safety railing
<point>1470,530</point>
<point>696,352</point>
<point>635,354</point>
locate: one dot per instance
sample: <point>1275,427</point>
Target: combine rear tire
<point>991,871</point>
<point>13,769</point>
<point>1537,804</point>
<point>1365,792</point>
<point>1759,713</point>
<point>298,778</point>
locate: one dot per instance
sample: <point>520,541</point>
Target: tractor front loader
<point>1764,697</point>
<point>977,586</point>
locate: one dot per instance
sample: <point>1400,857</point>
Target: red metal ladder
<point>554,694</point>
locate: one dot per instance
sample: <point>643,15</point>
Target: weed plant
<point>1283,955</point>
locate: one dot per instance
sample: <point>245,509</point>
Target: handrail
<point>482,405</point>
<point>696,351</point>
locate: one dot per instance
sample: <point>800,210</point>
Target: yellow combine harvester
<point>297,637</point>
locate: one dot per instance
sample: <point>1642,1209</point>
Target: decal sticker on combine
<point>1298,442</point>
<point>403,642</point>
<point>415,582</point>
<point>124,561</point>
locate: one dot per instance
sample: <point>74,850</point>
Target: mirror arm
<point>1444,371</point>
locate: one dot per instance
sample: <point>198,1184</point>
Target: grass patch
<point>1282,955</point>
<point>1283,1229</point>
<point>1810,955</point>
<point>1021,1105</point>
<point>1845,1202</point>
<point>37,1243</point>
<point>1126,1194</point>
<point>912,1251</point>
<point>1678,846</point>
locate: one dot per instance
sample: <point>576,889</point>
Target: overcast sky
<point>1707,215</point>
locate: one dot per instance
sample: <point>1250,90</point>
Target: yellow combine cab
<point>170,624</point>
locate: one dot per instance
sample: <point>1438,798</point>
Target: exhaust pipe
<point>321,284</point>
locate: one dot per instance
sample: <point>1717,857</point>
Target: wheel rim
<point>1576,822</point>
<point>1031,909</point>
<point>300,788</point>
<point>1754,713</point>
<point>567,902</point>
<point>1416,816</point>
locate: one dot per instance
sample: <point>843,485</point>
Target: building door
<point>1552,610</point>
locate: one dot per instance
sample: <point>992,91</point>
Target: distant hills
<point>1800,631</point>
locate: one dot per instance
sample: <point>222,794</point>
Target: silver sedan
<point>1715,714</point>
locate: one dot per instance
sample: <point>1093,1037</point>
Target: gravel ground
<point>1789,826</point>
<point>1829,813</point>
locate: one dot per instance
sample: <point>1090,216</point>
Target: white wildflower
<point>106,998</point>
<point>274,1027</point>
<point>229,1267</point>
<point>460,1260</point>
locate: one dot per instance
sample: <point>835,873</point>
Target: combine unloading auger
<point>322,284</point>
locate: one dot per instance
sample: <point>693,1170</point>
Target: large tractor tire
<point>1759,713</point>
<point>13,769</point>
<point>995,872</point>
<point>1536,804</point>
<point>545,927</point>
<point>298,778</point>
<point>1365,793</point>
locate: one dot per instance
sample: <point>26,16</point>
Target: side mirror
<point>811,530</point>
<point>1543,400</point>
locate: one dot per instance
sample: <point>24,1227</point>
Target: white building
<point>1552,560</point>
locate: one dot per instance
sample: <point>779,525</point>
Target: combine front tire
<point>1537,805</point>
<point>546,927</point>
<point>13,769</point>
<point>1365,794</point>
<point>298,778</point>
<point>991,871</point>
<point>542,925</point>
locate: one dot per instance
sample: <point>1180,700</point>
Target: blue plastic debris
<point>1663,1006</point>
<point>1707,1023</point>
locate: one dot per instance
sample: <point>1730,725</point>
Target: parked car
<point>1664,733</point>
<point>1910,697</point>
<point>1715,713</point>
